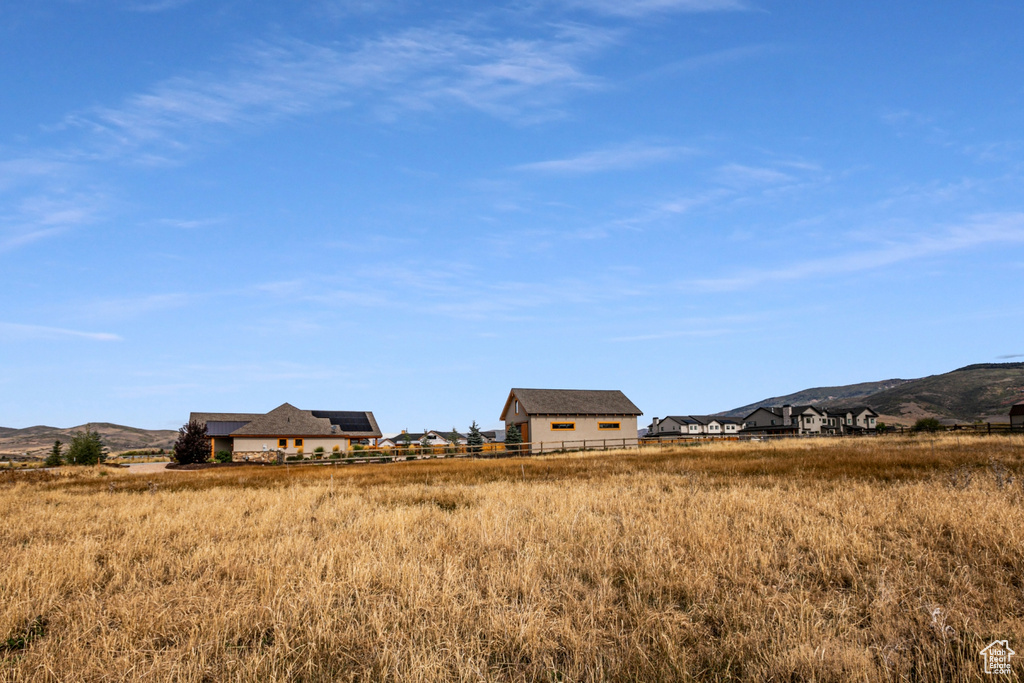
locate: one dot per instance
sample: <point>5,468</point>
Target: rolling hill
<point>976,392</point>
<point>37,441</point>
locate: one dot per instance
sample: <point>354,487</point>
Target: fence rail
<point>502,450</point>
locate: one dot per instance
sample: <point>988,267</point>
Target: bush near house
<point>513,438</point>
<point>193,445</point>
<point>222,456</point>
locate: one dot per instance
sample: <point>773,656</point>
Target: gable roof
<point>777,410</point>
<point>1017,410</point>
<point>853,410</point>
<point>571,402</point>
<point>707,419</point>
<point>287,419</point>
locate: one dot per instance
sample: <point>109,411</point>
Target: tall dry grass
<point>892,559</point>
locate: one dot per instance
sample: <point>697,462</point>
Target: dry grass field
<point>832,560</point>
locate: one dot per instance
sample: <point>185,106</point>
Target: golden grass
<point>875,559</point>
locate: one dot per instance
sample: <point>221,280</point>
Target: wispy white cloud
<point>715,58</point>
<point>983,230</point>
<point>17,331</point>
<point>635,8</point>
<point>130,307</point>
<point>739,175</point>
<point>41,216</point>
<point>190,224</point>
<point>25,170</point>
<point>156,5</point>
<point>609,159</point>
<point>520,79</point>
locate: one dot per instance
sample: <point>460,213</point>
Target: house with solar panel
<point>259,436</point>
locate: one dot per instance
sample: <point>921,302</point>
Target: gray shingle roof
<point>574,402</point>
<point>288,420</point>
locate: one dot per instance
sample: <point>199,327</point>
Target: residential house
<point>551,419</point>
<point>434,437</point>
<point>785,420</point>
<point>854,420</point>
<point>692,426</point>
<point>255,436</point>
<point>1017,416</point>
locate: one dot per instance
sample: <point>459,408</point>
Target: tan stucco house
<point>256,436</point>
<point>552,419</point>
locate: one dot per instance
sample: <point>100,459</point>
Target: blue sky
<point>345,204</point>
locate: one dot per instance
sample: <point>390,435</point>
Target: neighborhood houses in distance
<point>785,421</point>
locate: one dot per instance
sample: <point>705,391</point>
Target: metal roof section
<point>223,428</point>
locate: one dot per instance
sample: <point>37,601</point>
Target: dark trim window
<point>563,426</point>
<point>609,425</point>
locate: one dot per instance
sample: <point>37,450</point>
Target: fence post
<point>989,427</point>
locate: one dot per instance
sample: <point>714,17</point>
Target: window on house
<point>562,426</point>
<point>282,443</point>
<point>298,442</point>
<point>609,425</point>
<point>517,406</point>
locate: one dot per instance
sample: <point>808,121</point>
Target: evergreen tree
<point>193,445</point>
<point>86,449</point>
<point>453,441</point>
<point>425,442</point>
<point>55,458</point>
<point>513,437</point>
<point>475,440</point>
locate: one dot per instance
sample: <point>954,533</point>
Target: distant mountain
<point>38,440</point>
<point>850,393</point>
<point>984,391</point>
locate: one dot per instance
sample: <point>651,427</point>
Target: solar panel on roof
<point>346,420</point>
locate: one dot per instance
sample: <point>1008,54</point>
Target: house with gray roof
<point>851,420</point>
<point>259,436</point>
<point>1017,416</point>
<point>692,426</point>
<point>552,419</point>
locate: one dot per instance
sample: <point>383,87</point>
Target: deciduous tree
<point>193,445</point>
